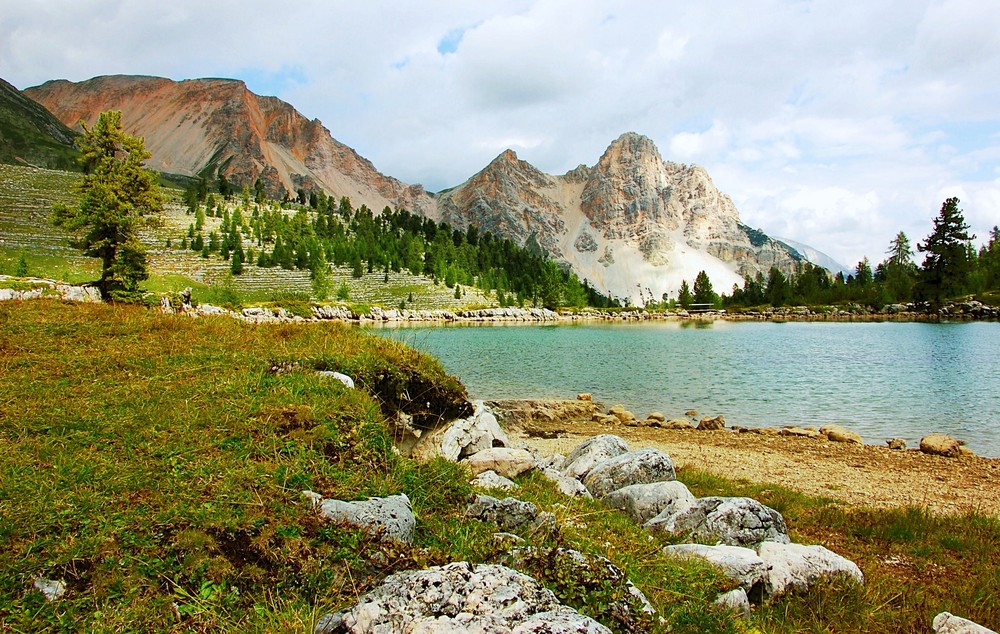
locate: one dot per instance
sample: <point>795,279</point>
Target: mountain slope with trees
<point>31,135</point>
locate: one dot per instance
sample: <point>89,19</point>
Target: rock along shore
<point>181,303</point>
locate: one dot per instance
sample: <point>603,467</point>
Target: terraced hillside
<point>27,195</point>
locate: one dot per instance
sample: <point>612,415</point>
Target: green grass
<point>155,463</point>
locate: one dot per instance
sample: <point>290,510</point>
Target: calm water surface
<point>880,379</point>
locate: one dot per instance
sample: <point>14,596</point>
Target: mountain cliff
<point>212,126</point>
<point>29,134</point>
<point>634,224</point>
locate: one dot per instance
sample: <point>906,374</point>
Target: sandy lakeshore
<point>861,475</point>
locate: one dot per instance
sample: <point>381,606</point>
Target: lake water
<point>882,380</point>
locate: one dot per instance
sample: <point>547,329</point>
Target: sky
<point>836,123</point>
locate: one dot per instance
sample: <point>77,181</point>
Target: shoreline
<point>180,303</point>
<point>854,474</point>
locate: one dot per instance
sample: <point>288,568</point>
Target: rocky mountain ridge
<point>30,135</point>
<point>634,225</point>
<point>218,126</point>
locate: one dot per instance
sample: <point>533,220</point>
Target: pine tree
<point>703,293</point>
<point>684,297</point>
<point>115,194</point>
<point>945,270</point>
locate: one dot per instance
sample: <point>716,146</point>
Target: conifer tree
<point>945,270</point>
<point>115,194</point>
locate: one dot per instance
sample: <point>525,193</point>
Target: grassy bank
<point>155,464</point>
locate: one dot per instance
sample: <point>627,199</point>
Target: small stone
<point>493,480</point>
<point>896,444</point>
<point>691,413</point>
<point>678,423</point>
<point>658,416</point>
<point>837,433</point>
<point>712,424</point>
<point>736,601</point>
<point>623,415</point>
<point>763,431</point>
<point>568,486</point>
<point>586,396</point>
<point>343,378</point>
<point>313,498</point>
<point>800,432</point>
<point>51,589</point>
<point>941,445</point>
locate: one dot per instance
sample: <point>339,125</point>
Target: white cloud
<point>836,124</point>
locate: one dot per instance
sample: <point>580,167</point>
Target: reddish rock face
<point>218,126</point>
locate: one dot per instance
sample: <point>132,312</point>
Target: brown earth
<point>860,475</point>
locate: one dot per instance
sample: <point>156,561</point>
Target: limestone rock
<point>567,486</point>
<point>734,521</point>
<point>941,445</point>
<point>796,567</point>
<point>712,424</point>
<point>391,517</point>
<point>459,597</point>
<point>837,433</point>
<point>343,378</point>
<point>634,467</point>
<point>507,462</point>
<point>691,412</point>
<point>508,513</point>
<point>678,423</point>
<point>735,600</point>
<point>464,437</point>
<point>763,431</point>
<point>623,415</point>
<point>948,623</point>
<point>657,416</point>
<point>493,480</point>
<point>591,452</point>
<point>643,502</point>
<point>742,565</point>
<point>586,396</point>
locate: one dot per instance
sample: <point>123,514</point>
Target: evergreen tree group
<point>316,231</point>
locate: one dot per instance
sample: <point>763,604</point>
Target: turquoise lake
<point>883,379</point>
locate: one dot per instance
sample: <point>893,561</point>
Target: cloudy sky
<point>833,123</point>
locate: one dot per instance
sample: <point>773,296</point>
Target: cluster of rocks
<point>934,444</point>
<point>39,287</point>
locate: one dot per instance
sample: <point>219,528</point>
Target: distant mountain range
<point>634,225</point>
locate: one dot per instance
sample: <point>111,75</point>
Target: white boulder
<point>796,567</point>
<point>734,521</point>
<point>591,452</point>
<point>948,623</point>
<point>643,502</point>
<point>390,517</point>
<point>641,466</point>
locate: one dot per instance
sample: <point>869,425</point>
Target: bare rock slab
<point>838,433</point>
<point>796,567</point>
<point>732,521</point>
<point>643,502</point>
<point>948,623</point>
<point>591,452</point>
<point>641,466</point>
<point>391,517</point>
<point>459,597</point>
<point>507,462</point>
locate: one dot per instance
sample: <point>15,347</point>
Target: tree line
<point>315,231</point>
<point>951,267</point>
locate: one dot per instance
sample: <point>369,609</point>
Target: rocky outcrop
<point>733,521</point>
<point>642,466</point>
<point>217,126</point>
<point>462,597</point>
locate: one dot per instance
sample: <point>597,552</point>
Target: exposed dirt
<point>862,475</point>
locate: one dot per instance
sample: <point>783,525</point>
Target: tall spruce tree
<point>945,270</point>
<point>115,193</point>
